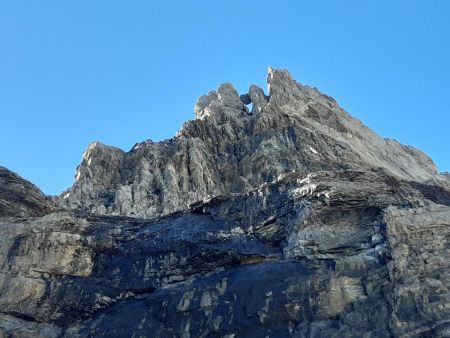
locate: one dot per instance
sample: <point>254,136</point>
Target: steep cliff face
<point>336,253</point>
<point>291,219</point>
<point>230,149</point>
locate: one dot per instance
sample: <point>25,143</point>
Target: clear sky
<point>120,72</point>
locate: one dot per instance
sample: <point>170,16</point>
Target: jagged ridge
<point>230,149</point>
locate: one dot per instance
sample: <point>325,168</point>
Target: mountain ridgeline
<point>269,215</point>
<point>230,149</point>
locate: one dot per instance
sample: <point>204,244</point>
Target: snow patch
<point>306,189</point>
<point>326,194</point>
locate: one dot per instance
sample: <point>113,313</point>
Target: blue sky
<point>72,72</point>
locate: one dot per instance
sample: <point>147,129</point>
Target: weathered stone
<point>20,198</point>
<point>293,221</point>
<point>227,150</point>
<point>258,98</point>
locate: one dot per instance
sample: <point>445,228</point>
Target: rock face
<point>20,198</point>
<point>229,149</point>
<point>289,219</point>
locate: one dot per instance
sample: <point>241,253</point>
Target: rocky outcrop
<point>289,219</point>
<point>331,254</point>
<point>20,198</point>
<point>230,149</point>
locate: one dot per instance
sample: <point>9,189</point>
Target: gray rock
<point>294,220</point>
<point>20,198</point>
<point>258,98</point>
<point>333,253</point>
<point>228,150</point>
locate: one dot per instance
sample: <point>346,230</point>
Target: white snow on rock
<point>314,151</point>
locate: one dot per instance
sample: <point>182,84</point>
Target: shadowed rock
<point>20,198</point>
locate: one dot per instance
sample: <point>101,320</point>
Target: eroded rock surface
<point>291,219</point>
<point>20,198</point>
<point>229,149</point>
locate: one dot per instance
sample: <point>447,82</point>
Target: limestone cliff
<point>289,219</point>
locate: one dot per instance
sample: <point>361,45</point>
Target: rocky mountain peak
<point>230,149</point>
<point>224,100</point>
<point>282,89</point>
<point>289,220</point>
<point>278,81</point>
<point>257,97</point>
<point>284,92</point>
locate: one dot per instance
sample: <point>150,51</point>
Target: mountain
<point>275,215</point>
<point>230,148</point>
